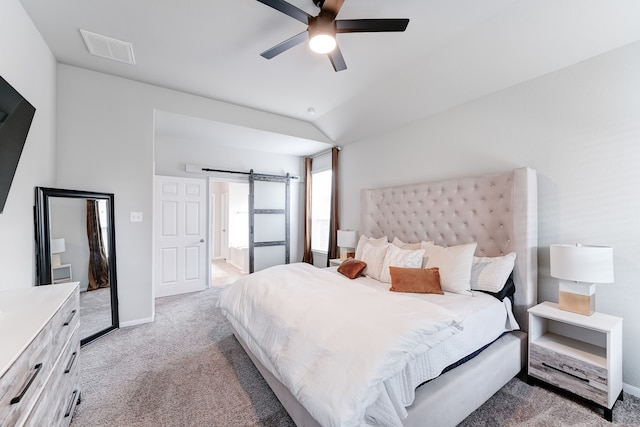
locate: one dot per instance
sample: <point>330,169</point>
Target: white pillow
<point>491,273</point>
<point>454,263</point>
<point>402,245</point>
<point>396,257</point>
<point>364,240</point>
<point>374,255</point>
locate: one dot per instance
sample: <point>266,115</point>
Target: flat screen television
<point>16,115</point>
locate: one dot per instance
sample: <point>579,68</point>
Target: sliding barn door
<point>269,219</point>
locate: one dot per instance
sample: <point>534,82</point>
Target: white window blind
<point>320,209</point>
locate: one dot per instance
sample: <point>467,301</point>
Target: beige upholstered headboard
<point>499,212</point>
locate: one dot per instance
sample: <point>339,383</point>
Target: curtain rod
<point>327,151</point>
<point>246,173</point>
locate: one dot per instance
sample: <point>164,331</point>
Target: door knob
<point>201,240</point>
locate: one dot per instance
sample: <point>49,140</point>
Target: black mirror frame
<point>43,249</point>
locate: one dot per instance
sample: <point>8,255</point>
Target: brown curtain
<point>334,222</point>
<point>98,267</point>
<point>307,256</point>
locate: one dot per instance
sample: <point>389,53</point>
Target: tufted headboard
<point>499,212</point>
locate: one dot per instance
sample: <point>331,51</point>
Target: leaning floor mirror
<point>75,239</point>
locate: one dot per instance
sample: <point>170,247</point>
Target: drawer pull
<point>70,364</point>
<point>73,313</point>
<point>564,372</point>
<point>18,398</point>
<point>71,402</point>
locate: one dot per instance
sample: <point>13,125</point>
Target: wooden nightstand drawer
<point>577,376</point>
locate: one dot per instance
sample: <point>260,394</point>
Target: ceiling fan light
<point>322,43</point>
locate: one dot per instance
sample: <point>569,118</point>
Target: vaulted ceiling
<point>452,52</point>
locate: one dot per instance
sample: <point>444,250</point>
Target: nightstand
<point>335,262</point>
<point>61,273</point>
<point>577,353</point>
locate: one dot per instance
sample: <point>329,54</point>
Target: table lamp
<point>347,241</point>
<point>57,247</point>
<point>579,268</point>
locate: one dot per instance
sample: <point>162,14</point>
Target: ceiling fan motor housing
<point>324,23</point>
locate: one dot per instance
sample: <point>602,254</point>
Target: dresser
<point>39,353</point>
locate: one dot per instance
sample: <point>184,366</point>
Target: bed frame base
<point>445,401</point>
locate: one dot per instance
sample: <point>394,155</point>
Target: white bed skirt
<point>444,401</point>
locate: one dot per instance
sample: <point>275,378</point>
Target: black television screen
<point>16,115</point>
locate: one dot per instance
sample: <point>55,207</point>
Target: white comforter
<point>331,342</point>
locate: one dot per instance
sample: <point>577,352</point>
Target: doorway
<point>229,226</point>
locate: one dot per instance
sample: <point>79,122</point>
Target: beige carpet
<point>187,369</point>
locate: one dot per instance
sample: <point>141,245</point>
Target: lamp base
<point>577,298</point>
<point>55,260</point>
<point>346,253</point>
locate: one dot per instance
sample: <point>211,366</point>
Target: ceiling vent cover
<point>108,47</point>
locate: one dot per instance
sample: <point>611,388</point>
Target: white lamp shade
<point>582,263</point>
<point>57,246</point>
<point>347,238</point>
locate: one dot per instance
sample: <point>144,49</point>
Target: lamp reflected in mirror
<point>57,247</point>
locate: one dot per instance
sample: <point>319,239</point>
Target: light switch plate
<point>136,217</point>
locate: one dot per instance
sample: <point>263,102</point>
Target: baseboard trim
<point>136,322</point>
<point>635,391</point>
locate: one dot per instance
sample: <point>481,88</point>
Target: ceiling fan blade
<point>285,45</point>
<point>370,25</point>
<point>332,6</point>
<point>288,9</point>
<point>337,60</point>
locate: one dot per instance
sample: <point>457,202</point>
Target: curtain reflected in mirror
<point>76,239</point>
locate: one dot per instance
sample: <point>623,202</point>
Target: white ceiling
<point>452,52</point>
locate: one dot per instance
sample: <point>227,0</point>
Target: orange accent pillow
<point>418,280</point>
<point>352,268</point>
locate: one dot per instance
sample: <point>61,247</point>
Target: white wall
<point>28,65</point>
<point>68,218</point>
<point>172,154</point>
<point>106,143</point>
<point>578,127</point>
<point>239,214</point>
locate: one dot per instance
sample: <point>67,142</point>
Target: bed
<point>499,213</point>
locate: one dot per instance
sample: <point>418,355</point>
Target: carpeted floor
<point>95,311</point>
<point>187,369</point>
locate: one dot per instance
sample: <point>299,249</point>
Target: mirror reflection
<point>76,241</point>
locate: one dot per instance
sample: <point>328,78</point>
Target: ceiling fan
<point>322,29</point>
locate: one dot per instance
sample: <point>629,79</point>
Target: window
<point>320,210</point>
<point>104,225</point>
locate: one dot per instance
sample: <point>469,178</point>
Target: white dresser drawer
<point>39,338</point>
<point>64,322</point>
<point>23,382</point>
<point>51,408</point>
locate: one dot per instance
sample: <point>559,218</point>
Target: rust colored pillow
<point>418,280</point>
<point>352,268</point>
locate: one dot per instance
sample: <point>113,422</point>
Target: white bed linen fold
<point>484,319</point>
<point>305,325</point>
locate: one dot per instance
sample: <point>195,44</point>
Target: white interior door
<point>180,252</point>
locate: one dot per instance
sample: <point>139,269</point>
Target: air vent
<point>107,47</point>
